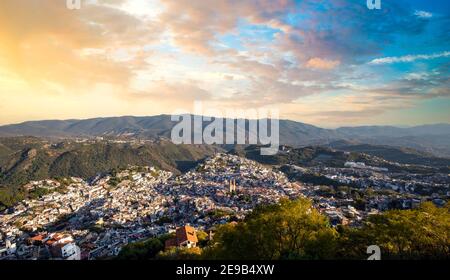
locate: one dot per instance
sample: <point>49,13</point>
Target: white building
<point>66,251</point>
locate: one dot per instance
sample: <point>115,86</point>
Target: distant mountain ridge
<point>434,139</point>
<point>370,131</point>
<point>114,126</point>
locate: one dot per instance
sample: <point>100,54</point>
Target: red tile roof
<point>183,234</point>
<point>37,238</point>
<point>186,233</point>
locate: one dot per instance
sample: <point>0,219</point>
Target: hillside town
<point>73,219</point>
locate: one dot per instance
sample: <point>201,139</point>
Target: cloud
<point>416,86</point>
<point>148,56</point>
<point>423,14</point>
<point>408,58</point>
<point>320,63</point>
<point>195,24</point>
<point>183,92</point>
<point>348,115</point>
<point>251,67</point>
<point>45,43</point>
<point>346,31</point>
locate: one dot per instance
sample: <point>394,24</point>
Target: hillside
<point>23,159</point>
<point>397,154</point>
<point>377,156</point>
<point>118,126</point>
<point>27,158</point>
<point>31,158</point>
<point>430,138</point>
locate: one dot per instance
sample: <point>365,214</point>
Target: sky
<point>327,63</point>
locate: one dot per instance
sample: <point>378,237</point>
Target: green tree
<point>288,230</point>
<point>422,233</point>
<point>175,253</point>
<point>202,238</point>
<point>141,250</point>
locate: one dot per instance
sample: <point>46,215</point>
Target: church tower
<point>232,186</point>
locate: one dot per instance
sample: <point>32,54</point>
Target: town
<point>74,219</point>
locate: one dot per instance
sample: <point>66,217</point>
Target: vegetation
<point>423,233</point>
<point>295,230</point>
<point>175,253</point>
<point>219,213</point>
<point>203,238</point>
<point>96,228</point>
<point>23,159</point>
<point>163,220</point>
<point>144,250</point>
<point>306,156</point>
<point>397,154</point>
<point>114,181</point>
<point>38,193</point>
<point>370,155</point>
<point>9,196</point>
<point>289,230</point>
<point>141,250</point>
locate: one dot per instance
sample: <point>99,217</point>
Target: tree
<point>141,250</point>
<point>288,230</point>
<point>176,253</point>
<point>202,238</point>
<point>422,233</point>
<point>294,230</point>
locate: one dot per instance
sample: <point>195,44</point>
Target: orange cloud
<point>43,41</point>
<point>195,24</point>
<point>112,58</point>
<point>323,64</point>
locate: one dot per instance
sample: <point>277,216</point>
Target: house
<point>3,252</point>
<point>9,249</point>
<point>66,251</point>
<point>36,240</point>
<point>184,237</point>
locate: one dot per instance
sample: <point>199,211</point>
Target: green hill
<point>27,158</point>
<point>377,156</point>
<point>397,154</point>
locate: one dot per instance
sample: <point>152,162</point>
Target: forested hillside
<point>23,159</point>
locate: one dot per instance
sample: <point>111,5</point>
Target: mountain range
<point>434,139</point>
